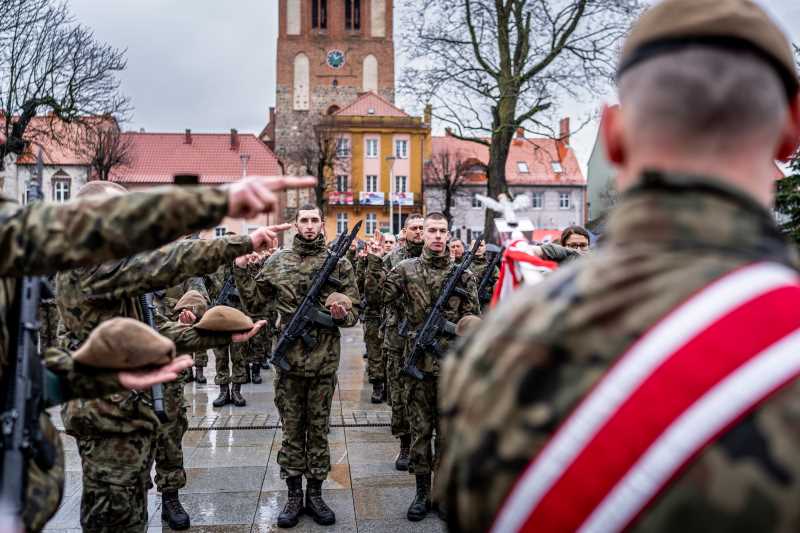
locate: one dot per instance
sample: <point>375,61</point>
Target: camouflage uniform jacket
<point>416,284</point>
<point>282,284</point>
<point>88,296</point>
<point>377,269</point>
<point>559,254</point>
<point>515,380</point>
<point>478,268</point>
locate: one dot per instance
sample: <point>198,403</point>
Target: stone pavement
<point>234,482</point>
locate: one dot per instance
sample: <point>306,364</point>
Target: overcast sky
<point>210,65</point>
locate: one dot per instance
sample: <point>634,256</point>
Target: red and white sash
<point>698,371</point>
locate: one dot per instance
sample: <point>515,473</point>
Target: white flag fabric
<point>520,266</point>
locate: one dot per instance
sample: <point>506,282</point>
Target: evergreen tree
<point>787,201</point>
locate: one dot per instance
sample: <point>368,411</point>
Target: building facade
<point>546,170</point>
<point>378,169</point>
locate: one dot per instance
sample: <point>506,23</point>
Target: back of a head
<point>100,188</point>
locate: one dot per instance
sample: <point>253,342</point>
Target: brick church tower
<point>329,51</point>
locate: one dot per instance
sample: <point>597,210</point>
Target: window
<point>293,17</point>
<point>522,166</point>
<point>251,229</point>
<point>371,185</point>
<point>343,147</point>
<point>564,200</point>
<point>401,149</point>
<point>220,231</point>
<point>475,201</point>
<point>61,189</point>
<point>352,14</point>
<point>341,184</point>
<point>557,168</point>
<point>341,223</point>
<point>370,74</point>
<point>537,200</point>
<point>301,77</point>
<point>372,223</point>
<point>319,14</point>
<point>378,13</point>
<point>372,148</point>
<point>401,184</point>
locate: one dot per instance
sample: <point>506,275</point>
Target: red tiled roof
<point>43,130</point>
<point>370,101</point>
<point>538,154</point>
<point>158,157</point>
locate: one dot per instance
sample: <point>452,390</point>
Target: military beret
<point>193,301</point>
<point>339,298</point>
<point>733,24</point>
<point>124,343</point>
<point>98,188</point>
<point>467,324</point>
<point>224,318</point>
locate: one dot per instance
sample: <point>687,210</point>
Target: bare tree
<point>489,67</point>
<point>322,160</point>
<point>105,147</point>
<point>50,64</point>
<point>448,170</point>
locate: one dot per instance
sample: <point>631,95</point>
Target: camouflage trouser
<point>44,488</point>
<point>200,358</point>
<point>304,405</point>
<point>170,474</point>
<point>253,349</point>
<point>393,349</point>
<point>423,419</point>
<point>376,365</point>
<point>231,356</point>
<point>116,478</point>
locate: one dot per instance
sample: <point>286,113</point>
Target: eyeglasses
<point>578,246</point>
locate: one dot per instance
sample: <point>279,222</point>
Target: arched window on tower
<point>319,14</point>
<point>370,74</point>
<point>301,76</point>
<point>352,15</point>
<point>378,18</point>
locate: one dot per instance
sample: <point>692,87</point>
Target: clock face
<point>335,59</point>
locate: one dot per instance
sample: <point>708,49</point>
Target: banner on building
<point>403,198</point>
<point>371,198</point>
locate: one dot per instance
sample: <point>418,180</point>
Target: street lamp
<point>391,159</point>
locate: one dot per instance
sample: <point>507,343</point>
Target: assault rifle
<point>228,290</point>
<point>23,389</point>
<point>308,313</point>
<point>484,289</point>
<point>148,314</point>
<point>435,324</point>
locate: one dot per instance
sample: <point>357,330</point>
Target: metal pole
<point>391,194</point>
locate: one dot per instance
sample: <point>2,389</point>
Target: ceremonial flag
<point>520,266</point>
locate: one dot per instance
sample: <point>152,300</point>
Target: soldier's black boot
<point>316,506</point>
<point>224,397</point>
<point>172,511</point>
<point>294,506</point>
<point>422,499</point>
<point>236,395</point>
<point>405,451</point>
<point>255,368</point>
<point>378,392</point>
<point>189,375</point>
<point>199,377</point>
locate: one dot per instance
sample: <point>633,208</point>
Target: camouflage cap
<point>467,324</point>
<point>339,298</point>
<point>224,318</point>
<point>732,24</point>
<point>124,343</point>
<point>193,301</point>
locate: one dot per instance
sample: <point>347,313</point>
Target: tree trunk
<point>448,198</point>
<point>498,154</point>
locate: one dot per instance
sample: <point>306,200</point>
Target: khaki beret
<point>125,343</point>
<point>339,298</point>
<point>467,324</point>
<point>101,188</point>
<point>193,301</point>
<point>735,24</point>
<point>224,318</point>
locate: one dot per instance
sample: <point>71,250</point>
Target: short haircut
<point>435,215</point>
<point>702,98</point>
<point>412,216</point>
<point>574,230</point>
<point>98,188</point>
<point>457,240</point>
<point>308,207</point>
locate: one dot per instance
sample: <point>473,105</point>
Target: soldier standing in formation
<point>378,267</point>
<point>416,283</point>
<point>44,238</point>
<point>457,250</point>
<point>304,394</point>
<point>680,331</point>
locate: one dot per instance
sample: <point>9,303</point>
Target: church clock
<point>335,59</point>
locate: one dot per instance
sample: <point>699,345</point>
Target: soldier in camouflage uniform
<point>416,283</point>
<point>478,267</point>
<point>372,311</point>
<point>457,250</point>
<point>303,395</point>
<point>393,343</point>
<point>44,238</point>
<point>709,99</point>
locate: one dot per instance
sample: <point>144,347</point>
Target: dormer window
<point>522,167</point>
<point>556,166</point>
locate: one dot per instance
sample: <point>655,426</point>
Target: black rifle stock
<point>23,400</point>
<point>148,316</point>
<point>484,295</point>
<point>226,292</point>
<point>309,312</point>
<point>435,324</point>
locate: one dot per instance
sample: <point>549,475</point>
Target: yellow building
<point>380,153</point>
